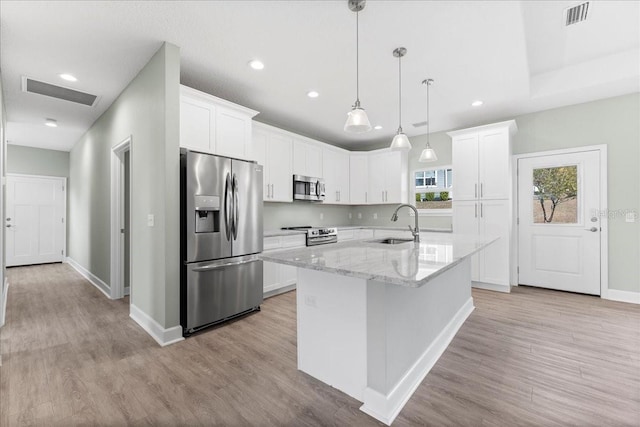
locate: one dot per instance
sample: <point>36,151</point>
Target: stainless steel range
<point>318,236</point>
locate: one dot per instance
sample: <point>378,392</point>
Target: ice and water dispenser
<point>207,214</point>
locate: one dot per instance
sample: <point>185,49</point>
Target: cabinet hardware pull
<point>386,196</point>
<point>481,215</point>
<point>476,210</point>
<point>481,189</point>
<point>475,190</point>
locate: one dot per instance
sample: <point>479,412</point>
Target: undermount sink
<point>393,241</point>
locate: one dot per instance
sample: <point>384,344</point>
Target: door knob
<point>8,225</point>
<point>8,219</point>
<point>592,229</point>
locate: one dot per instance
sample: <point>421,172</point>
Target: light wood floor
<point>534,357</point>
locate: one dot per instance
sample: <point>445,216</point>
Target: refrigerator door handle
<point>227,206</point>
<point>215,266</point>
<point>236,214</point>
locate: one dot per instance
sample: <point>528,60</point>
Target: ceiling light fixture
<point>477,103</point>
<point>256,64</point>
<point>313,94</point>
<point>68,77</point>
<point>377,127</point>
<point>400,141</point>
<point>428,154</point>
<point>357,120</point>
<point>51,123</point>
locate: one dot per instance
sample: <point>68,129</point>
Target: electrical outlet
<point>310,300</point>
<point>630,217</point>
<point>350,215</point>
<point>151,219</point>
<point>359,215</point>
<point>375,216</point>
<point>321,216</point>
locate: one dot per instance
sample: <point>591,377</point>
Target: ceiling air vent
<point>576,14</point>
<point>59,92</point>
<point>420,124</point>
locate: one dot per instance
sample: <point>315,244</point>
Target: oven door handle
<point>320,240</point>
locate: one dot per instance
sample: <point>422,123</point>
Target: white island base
<point>377,341</point>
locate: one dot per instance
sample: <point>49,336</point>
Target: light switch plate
<point>350,215</point>
<point>375,216</point>
<point>151,219</point>
<point>321,216</point>
<point>359,215</point>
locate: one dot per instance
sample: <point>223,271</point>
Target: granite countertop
<point>406,264</point>
<point>273,233</point>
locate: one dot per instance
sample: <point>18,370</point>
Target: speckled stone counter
<point>405,264</point>
<point>273,233</point>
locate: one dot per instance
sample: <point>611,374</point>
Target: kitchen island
<point>374,317</point>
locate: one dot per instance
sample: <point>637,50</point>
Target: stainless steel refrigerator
<point>221,235</point>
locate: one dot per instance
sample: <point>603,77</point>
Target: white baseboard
<point>282,290</point>
<point>3,302</point>
<point>162,336</point>
<point>92,278</point>
<point>622,296</point>
<point>386,408</point>
<point>491,287</point>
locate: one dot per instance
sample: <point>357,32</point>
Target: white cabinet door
<point>197,124</point>
<point>493,159</point>
<point>364,234</point>
<point>394,177</point>
<point>358,179</point>
<point>377,178</point>
<point>465,166</point>
<point>233,132</point>
<point>307,159</point>
<point>335,166</point>
<point>494,222</point>
<point>260,140</point>
<point>270,279</point>
<point>279,163</point>
<point>465,221</point>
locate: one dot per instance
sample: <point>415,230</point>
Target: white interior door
<point>559,247</point>
<point>35,219</point>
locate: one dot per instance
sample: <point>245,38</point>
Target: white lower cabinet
<point>487,218</point>
<point>278,278</point>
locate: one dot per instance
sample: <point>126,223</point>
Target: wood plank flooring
<point>533,357</point>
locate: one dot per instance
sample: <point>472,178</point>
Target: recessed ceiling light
<point>256,64</point>
<point>477,103</point>
<point>68,77</point>
<point>313,94</point>
<point>377,127</point>
<point>51,123</point>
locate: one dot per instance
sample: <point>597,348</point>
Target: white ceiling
<point>515,56</point>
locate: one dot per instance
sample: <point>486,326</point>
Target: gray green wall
<point>37,161</point>
<point>148,112</point>
<point>3,156</point>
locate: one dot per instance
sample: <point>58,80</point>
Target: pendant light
<point>400,141</point>
<point>428,154</point>
<point>357,120</point>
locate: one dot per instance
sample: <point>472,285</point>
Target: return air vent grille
<point>59,92</point>
<point>576,14</point>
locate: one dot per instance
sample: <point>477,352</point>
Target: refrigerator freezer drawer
<point>221,289</point>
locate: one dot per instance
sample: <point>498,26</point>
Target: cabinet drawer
<point>270,243</point>
<point>296,241</point>
<point>346,235</point>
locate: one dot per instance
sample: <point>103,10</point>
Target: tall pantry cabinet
<point>483,198</point>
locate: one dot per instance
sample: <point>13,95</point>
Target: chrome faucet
<point>414,231</point>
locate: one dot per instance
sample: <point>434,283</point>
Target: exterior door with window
<point>35,220</point>
<point>559,223</point>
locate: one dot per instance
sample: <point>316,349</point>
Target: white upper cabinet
<point>274,150</point>
<point>388,177</point>
<point>213,125</point>
<point>307,159</point>
<point>358,178</point>
<point>482,161</point>
<point>335,167</point>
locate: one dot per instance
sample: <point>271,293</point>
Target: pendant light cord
<point>400,93</point>
<point>357,59</point>
<point>428,119</point>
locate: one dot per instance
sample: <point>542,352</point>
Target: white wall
<point>148,111</point>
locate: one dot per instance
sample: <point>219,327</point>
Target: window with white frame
<point>433,188</point>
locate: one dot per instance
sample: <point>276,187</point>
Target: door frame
<point>117,289</point>
<point>604,209</point>
<point>63,180</point>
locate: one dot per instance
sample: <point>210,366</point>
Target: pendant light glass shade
<point>357,120</point>
<point>400,141</point>
<point>428,154</point>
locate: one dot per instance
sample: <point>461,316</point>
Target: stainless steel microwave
<point>308,188</point>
